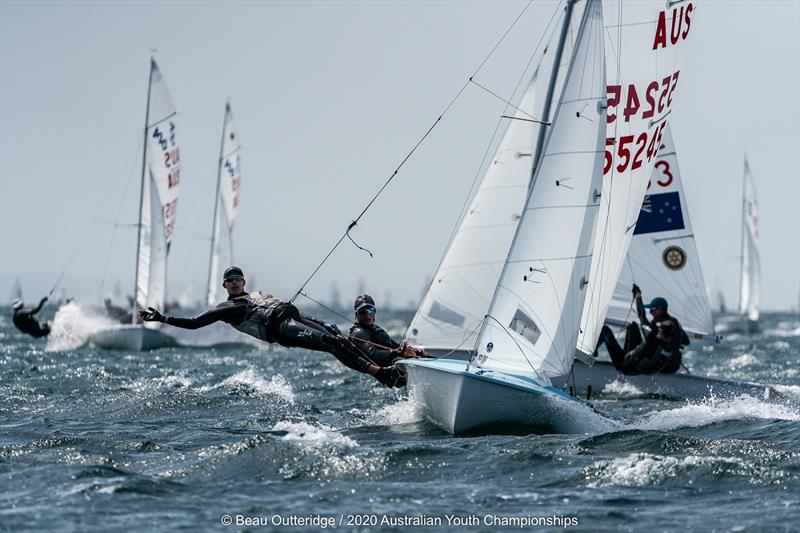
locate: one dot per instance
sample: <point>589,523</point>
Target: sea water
<point>263,438</point>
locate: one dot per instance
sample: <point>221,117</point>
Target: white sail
<point>751,264</point>
<point>226,203</point>
<point>533,319</point>
<point>461,291</point>
<point>159,198</point>
<point>644,39</point>
<point>662,257</point>
<point>16,291</point>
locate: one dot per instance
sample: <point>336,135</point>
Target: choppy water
<point>96,440</point>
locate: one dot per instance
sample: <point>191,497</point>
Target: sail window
<point>525,326</point>
<point>445,314</point>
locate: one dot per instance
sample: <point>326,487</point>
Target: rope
<point>407,157</point>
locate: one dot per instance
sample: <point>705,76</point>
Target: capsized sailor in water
<point>271,320</point>
<point>658,352</point>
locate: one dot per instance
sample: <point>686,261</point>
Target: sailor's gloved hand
<point>391,376</point>
<point>151,315</point>
<point>333,328</point>
<point>637,292</point>
<point>43,300</point>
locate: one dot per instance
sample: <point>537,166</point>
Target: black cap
<point>365,300</point>
<point>232,271</point>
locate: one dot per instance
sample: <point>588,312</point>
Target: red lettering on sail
<point>174,177</point>
<point>679,16</point>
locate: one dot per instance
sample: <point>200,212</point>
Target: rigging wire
<point>409,154</point>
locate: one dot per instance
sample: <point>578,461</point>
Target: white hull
<point>602,377</point>
<point>133,338</point>
<point>473,401</point>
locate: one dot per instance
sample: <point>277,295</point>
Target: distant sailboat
<point>16,291</point>
<point>161,175</point>
<point>226,203</point>
<point>750,279</point>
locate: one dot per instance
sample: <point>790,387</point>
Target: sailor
<point>659,352</point>
<point>25,321</point>
<point>373,339</point>
<point>269,319</point>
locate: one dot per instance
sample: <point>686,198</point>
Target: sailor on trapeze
<point>659,352</point>
<point>269,319</point>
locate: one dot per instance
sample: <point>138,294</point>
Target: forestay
<point>662,257</point>
<point>644,40</point>
<point>226,203</point>
<point>532,324</point>
<point>751,264</point>
<point>462,288</point>
<point>159,195</point>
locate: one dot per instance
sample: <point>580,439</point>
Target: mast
<point>741,238</point>
<point>141,190</point>
<point>216,202</point>
<point>551,87</point>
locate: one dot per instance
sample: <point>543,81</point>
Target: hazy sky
<point>328,98</point>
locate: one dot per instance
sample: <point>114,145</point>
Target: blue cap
<point>657,303</point>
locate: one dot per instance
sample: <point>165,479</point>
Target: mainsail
<point>644,39</point>
<point>532,323</point>
<point>662,257</point>
<point>461,290</point>
<point>161,175</point>
<point>226,202</point>
<point>751,265</point>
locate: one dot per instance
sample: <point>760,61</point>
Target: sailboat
<point>161,175</point>
<point>226,202</point>
<point>16,291</point>
<point>663,260</point>
<point>750,277</point>
<point>549,299</point>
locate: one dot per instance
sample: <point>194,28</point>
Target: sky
<point>328,98</point>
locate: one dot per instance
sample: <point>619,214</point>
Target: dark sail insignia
<point>445,314</point>
<point>660,212</point>
<point>525,326</point>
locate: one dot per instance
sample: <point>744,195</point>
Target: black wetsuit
<point>651,355</point>
<point>379,346</point>
<point>272,320</point>
<point>27,324</point>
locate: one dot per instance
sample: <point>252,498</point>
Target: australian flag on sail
<point>660,212</point>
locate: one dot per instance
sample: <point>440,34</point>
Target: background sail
<point>534,316</point>
<point>227,203</point>
<point>644,39</point>
<point>159,194</point>
<point>462,288</point>
<point>662,257</point>
<point>751,264</point>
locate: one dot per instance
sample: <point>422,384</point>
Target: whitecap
<point>314,436</point>
<point>622,389</point>
<point>252,380</point>
<point>712,410</point>
<point>73,325</point>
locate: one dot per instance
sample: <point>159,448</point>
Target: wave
<point>314,436</point>
<point>622,389</point>
<point>249,381</point>
<point>712,410</point>
<point>73,326</point>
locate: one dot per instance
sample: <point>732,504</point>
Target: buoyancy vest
<point>264,315</point>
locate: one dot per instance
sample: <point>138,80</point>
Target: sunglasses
<point>366,311</point>
<point>234,278</point>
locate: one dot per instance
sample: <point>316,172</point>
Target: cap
<point>365,300</point>
<point>232,270</point>
<point>16,304</point>
<point>657,303</point>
